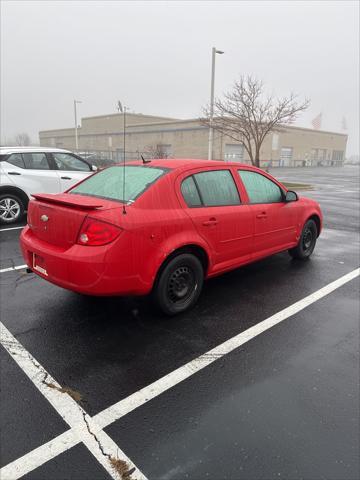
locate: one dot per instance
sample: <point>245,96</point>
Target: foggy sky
<point>156,57</point>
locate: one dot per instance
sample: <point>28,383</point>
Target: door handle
<point>65,178</point>
<point>14,173</point>
<point>210,222</point>
<point>261,215</point>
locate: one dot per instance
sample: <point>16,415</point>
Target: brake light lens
<point>95,232</point>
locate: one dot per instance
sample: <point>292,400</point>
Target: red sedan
<point>164,228</point>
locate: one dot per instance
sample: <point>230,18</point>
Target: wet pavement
<point>283,405</point>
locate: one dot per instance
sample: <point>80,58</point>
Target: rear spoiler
<point>70,200</point>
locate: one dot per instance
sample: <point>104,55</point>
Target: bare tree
<point>247,116</point>
<point>22,139</point>
<point>156,151</point>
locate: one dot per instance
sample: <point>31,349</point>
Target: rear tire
<point>11,209</point>
<point>179,284</point>
<point>307,241</point>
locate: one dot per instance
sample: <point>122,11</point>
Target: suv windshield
<point>109,183</point>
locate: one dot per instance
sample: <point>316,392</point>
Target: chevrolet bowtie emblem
<point>44,218</point>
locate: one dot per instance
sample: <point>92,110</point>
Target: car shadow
<point>106,347</point>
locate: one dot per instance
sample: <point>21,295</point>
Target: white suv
<point>28,170</point>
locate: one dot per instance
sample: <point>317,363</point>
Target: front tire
<point>11,209</point>
<point>307,241</point>
<point>179,284</point>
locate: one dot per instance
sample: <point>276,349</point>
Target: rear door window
<point>190,193</point>
<point>16,159</point>
<point>217,188</point>
<point>36,161</point>
<point>109,183</point>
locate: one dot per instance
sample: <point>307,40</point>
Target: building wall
<point>303,143</point>
<point>114,122</point>
<point>291,146</point>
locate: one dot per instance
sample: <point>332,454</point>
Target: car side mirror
<point>94,168</point>
<point>291,196</point>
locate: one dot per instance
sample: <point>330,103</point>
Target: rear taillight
<point>95,232</point>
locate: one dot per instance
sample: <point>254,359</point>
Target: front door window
<point>260,189</point>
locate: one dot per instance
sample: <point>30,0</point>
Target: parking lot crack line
<point>23,278</point>
<point>116,463</point>
<point>119,465</point>
<point>94,425</point>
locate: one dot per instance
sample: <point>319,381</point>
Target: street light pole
<point>211,130</point>
<point>76,125</point>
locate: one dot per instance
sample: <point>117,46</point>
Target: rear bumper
<point>88,270</point>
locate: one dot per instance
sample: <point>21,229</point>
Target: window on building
<point>259,188</point>
<point>164,150</point>
<point>190,192</point>
<point>216,188</point>
<point>337,155</point>
<point>314,154</point>
<point>286,154</point>
<point>234,152</point>
<point>322,154</point>
<point>36,161</point>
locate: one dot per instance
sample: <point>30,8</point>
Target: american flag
<point>316,122</point>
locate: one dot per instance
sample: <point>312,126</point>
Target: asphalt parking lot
<point>215,393</point>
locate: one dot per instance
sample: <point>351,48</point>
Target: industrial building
<point>173,138</point>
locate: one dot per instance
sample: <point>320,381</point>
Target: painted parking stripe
<point>11,269</point>
<point>63,442</point>
<point>82,425</point>
<point>40,455</point>
<point>12,228</point>
<point>127,405</point>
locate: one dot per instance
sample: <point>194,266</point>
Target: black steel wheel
<point>307,241</point>
<point>179,284</point>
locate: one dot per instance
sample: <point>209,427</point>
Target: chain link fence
<point>104,158</point>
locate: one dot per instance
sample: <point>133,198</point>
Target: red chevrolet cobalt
<point>164,228</point>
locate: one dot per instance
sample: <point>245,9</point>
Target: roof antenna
<point>123,111</point>
<point>143,159</point>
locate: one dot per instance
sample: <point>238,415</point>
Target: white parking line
<point>12,228</point>
<point>127,405</point>
<point>40,455</point>
<point>11,269</point>
<point>72,437</point>
<point>83,427</point>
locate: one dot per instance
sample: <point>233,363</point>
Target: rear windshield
<point>109,183</point>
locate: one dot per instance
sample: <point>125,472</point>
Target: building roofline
<point>57,130</point>
<point>171,121</point>
<point>127,113</point>
<point>294,127</point>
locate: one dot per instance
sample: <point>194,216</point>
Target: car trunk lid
<point>57,218</point>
